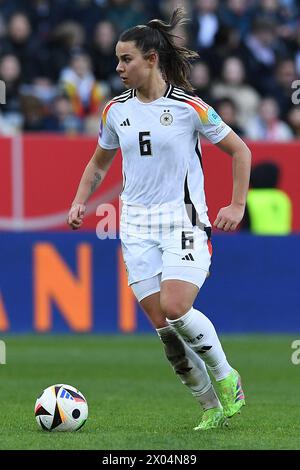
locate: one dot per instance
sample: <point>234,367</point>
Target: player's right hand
<point>75,216</point>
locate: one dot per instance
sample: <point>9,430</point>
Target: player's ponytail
<point>174,60</point>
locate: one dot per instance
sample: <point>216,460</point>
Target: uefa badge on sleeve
<point>213,117</point>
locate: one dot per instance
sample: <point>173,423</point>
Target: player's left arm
<point>230,216</point>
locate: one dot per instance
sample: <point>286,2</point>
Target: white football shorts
<point>185,255</point>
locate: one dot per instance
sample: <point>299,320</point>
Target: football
<point>61,407</point>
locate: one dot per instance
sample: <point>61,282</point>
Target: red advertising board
<point>39,175</point>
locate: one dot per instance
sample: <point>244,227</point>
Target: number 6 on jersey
<point>145,144</point>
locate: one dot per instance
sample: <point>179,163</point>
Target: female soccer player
<point>165,230</point>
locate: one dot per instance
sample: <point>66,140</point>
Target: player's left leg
<point>181,281</point>
<point>197,330</point>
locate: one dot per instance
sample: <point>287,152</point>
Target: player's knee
<point>174,308</point>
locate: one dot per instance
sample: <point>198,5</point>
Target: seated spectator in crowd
<point>267,126</point>
<point>42,88</point>
<point>45,15</point>
<point>21,43</point>
<point>284,76</point>
<point>238,14</point>
<point>125,14</point>
<point>33,112</point>
<point>259,53</point>
<point>79,84</point>
<point>233,85</point>
<point>201,80</point>
<point>227,109</point>
<point>87,13</point>
<point>10,74</point>
<point>226,44</point>
<point>293,119</point>
<point>205,23</point>
<point>65,38</point>
<point>62,119</point>
<point>282,13</point>
<point>103,56</point>
<point>295,48</point>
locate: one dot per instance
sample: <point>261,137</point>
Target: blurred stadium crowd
<point>57,61</point>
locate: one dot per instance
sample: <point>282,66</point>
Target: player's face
<point>132,67</point>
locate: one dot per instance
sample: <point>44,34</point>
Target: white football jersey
<point>160,146</point>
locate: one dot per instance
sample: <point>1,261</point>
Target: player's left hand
<point>229,217</point>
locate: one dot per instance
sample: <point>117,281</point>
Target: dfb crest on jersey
<point>166,118</point>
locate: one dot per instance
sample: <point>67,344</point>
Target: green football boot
<point>211,419</point>
<point>231,394</point>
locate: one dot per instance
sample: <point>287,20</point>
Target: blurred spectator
<point>232,85</point>
<point>33,112</point>
<point>268,210</point>
<point>42,88</point>
<point>267,126</point>
<point>295,48</point>
<point>237,14</point>
<point>80,85</point>
<point>102,51</point>
<point>282,13</point>
<point>227,43</point>
<point>62,119</point>
<point>285,74</point>
<point>125,13</point>
<point>20,43</point>
<point>200,80</point>
<point>269,10</point>
<point>10,73</point>
<point>293,119</point>
<point>227,109</point>
<point>45,15</point>
<point>67,37</point>
<point>87,13</point>
<point>260,52</point>
<point>206,23</point>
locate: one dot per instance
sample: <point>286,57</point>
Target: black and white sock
<point>199,333</point>
<point>189,367</point>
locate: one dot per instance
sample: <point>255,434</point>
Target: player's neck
<point>152,91</point>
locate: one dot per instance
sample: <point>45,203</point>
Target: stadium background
<point>66,313</point>
<point>57,62</point>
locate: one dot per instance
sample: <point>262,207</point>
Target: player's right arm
<point>91,179</point>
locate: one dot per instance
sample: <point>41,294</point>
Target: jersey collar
<point>167,92</point>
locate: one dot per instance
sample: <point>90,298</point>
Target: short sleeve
<point>108,139</point>
<point>207,121</point>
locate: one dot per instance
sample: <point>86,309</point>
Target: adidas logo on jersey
<point>188,257</point>
<point>125,123</point>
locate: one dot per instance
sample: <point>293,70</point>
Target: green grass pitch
<point>136,401</point>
